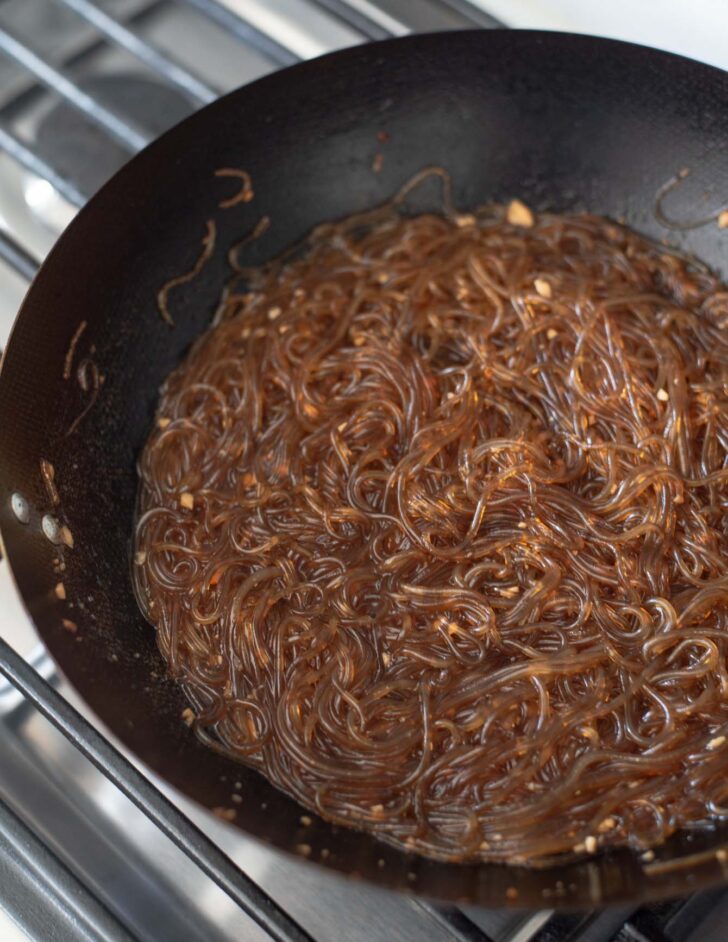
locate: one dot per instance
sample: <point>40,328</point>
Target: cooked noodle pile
<point>434,527</point>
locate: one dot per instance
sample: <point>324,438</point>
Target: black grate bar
<point>364,17</point>
<point>244,31</point>
<point>150,55</point>
<point>477,16</point>
<point>58,80</point>
<point>158,809</point>
<point>455,921</point>
<point>27,157</point>
<point>43,896</point>
<point>17,257</point>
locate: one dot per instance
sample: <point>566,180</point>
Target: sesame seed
<point>518,214</point>
<point>542,287</point>
<point>663,395</point>
<point>715,743</point>
<point>273,312</point>
<point>648,856</point>
<point>590,844</point>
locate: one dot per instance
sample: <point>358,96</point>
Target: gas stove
<point>83,85</point>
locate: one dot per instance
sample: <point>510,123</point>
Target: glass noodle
<point>433,530</point>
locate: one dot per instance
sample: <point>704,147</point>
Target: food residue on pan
<point>226,814</point>
<point>261,226</point>
<point>90,381</point>
<point>48,474</point>
<point>244,195</point>
<point>68,361</point>
<point>208,247</point>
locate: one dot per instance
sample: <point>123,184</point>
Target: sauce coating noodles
<point>433,530</point>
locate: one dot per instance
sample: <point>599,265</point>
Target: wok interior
<point>561,122</point>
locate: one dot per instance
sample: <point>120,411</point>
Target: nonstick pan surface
<point>561,122</point>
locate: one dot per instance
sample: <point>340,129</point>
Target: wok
<point>562,122</point>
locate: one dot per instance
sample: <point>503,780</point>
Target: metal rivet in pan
<point>19,506</point>
<point>51,528</point>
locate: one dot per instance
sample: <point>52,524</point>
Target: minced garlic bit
<point>305,820</point>
<point>273,312</point>
<point>542,287</point>
<point>60,591</point>
<point>723,219</point>
<point>163,421</point>
<point>227,814</point>
<point>66,536</point>
<point>464,219</point>
<point>590,844</point>
<point>386,659</point>
<point>607,825</point>
<point>722,854</point>
<point>188,716</point>
<point>187,501</point>
<point>518,214</point>
<point>648,856</point>
<point>715,743</point>
<point>512,893</point>
<point>140,557</point>
<point>522,525</point>
<point>663,395</point>
<point>551,333</point>
<point>70,625</point>
<point>377,809</point>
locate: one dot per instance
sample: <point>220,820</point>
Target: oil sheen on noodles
<point>433,529</point>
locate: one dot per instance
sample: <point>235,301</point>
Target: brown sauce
<point>434,526</point>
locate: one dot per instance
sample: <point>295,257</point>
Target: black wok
<point>563,122</point>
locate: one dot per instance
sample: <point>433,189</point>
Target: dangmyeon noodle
<point>433,531</point>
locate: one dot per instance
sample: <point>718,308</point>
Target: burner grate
<point>29,866</point>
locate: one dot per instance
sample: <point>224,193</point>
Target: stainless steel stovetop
<point>82,85</point>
